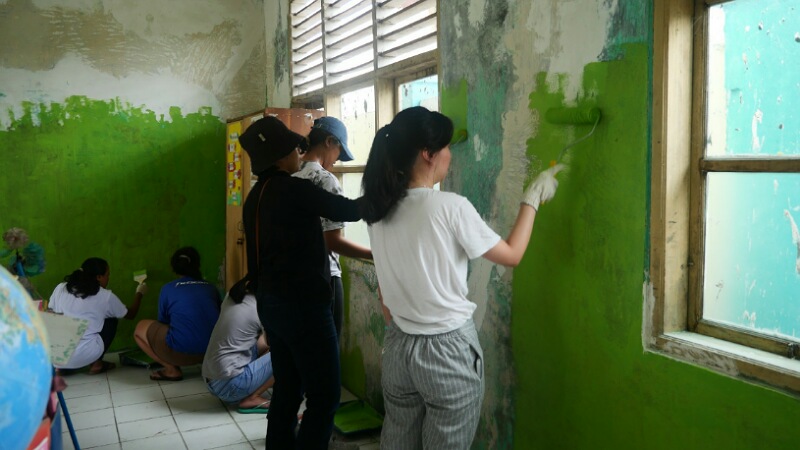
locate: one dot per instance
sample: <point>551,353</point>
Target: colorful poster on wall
<point>233,163</point>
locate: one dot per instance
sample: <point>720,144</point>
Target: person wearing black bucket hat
<point>289,272</point>
<point>327,143</point>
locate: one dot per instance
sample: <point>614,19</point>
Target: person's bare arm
<point>137,302</point>
<point>509,252</point>
<point>336,242</point>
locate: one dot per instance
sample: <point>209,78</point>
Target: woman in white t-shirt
<point>422,240</point>
<point>83,295</point>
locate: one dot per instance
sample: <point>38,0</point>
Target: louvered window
<point>338,40</point>
<point>307,54</point>
<point>405,28</point>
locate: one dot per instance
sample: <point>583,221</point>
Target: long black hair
<point>83,282</point>
<point>186,262</point>
<point>393,154</point>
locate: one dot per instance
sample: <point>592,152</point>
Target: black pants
<point>337,305</point>
<point>305,358</point>
<point>108,332</point>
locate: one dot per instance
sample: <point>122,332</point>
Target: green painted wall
<point>580,376</point>
<point>99,178</point>
<point>112,135</point>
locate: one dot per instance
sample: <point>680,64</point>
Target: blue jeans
<point>305,358</point>
<point>252,377</point>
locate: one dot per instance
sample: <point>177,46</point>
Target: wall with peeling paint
<point>562,332</point>
<point>112,129</point>
<point>110,142</point>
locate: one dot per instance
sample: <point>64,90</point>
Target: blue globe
<point>25,381</point>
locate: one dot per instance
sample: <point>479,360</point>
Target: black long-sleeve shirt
<point>292,261</point>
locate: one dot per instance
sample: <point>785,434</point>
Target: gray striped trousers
<point>432,389</point>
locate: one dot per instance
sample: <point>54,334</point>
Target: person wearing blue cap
<point>327,143</point>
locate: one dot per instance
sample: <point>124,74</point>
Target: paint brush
<point>139,276</point>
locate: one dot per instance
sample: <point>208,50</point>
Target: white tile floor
<point>124,409</point>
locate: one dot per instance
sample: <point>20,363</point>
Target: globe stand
<point>63,404</point>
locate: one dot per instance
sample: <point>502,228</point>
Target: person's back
<point>421,241</point>
<point>421,255</point>
<point>190,307</point>
<point>83,295</point>
<point>231,342</point>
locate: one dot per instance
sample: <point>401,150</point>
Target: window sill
<point>734,360</point>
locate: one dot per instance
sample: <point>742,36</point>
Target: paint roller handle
<point>141,288</point>
<point>543,188</point>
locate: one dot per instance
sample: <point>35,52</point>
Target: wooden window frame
<point>673,324</point>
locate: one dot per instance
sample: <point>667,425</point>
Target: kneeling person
<point>238,366</point>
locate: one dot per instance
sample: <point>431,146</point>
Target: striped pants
<point>432,389</point>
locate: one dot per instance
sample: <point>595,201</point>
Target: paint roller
<point>573,116</point>
<point>459,136</point>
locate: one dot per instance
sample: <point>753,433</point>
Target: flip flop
<point>105,368</point>
<point>263,408</point>
<point>158,375</point>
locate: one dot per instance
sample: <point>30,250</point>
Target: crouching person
<point>238,366</point>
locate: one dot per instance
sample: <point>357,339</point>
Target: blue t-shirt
<point>191,308</point>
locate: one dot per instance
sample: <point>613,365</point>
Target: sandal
<point>262,408</point>
<point>103,369</point>
<point>158,375</point>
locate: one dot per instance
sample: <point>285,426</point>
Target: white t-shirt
<point>96,309</point>
<point>421,253</point>
<point>314,172</point>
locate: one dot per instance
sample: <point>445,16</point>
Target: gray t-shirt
<point>314,172</point>
<point>235,334</point>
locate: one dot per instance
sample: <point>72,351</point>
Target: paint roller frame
<point>573,116</point>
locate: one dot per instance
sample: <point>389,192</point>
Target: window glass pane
<point>420,92</point>
<point>753,88</point>
<point>358,114</point>
<point>354,231</point>
<point>752,252</point>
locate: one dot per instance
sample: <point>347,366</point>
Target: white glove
<point>141,288</point>
<point>543,188</point>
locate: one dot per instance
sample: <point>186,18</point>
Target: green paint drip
<point>101,178</point>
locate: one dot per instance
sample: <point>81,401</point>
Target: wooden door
<point>240,180</point>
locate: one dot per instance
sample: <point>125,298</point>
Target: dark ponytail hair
<point>83,282</point>
<point>393,154</point>
<point>239,290</point>
<point>186,263</point>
